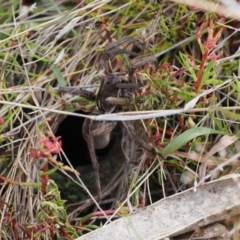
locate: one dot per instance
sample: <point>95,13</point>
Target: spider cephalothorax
<point>111,94</point>
<point>116,90</point>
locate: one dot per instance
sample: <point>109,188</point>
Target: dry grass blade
<point>223,143</point>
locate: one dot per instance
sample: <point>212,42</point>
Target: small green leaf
<point>57,73</point>
<point>187,136</point>
<point>191,123</point>
<point>208,72</point>
<point>51,171</point>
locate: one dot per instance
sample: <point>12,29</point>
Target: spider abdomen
<point>102,141</point>
<point>99,131</point>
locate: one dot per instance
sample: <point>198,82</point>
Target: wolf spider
<point>115,91</point>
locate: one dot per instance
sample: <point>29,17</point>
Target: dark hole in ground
<point>110,160</point>
<point>74,145</point>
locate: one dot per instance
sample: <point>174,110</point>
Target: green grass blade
<point>57,73</point>
<point>187,136</point>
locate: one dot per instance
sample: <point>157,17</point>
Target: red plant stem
<point>107,212</point>
<point>45,179</point>
<point>9,180</point>
<point>108,34</point>
<point>64,233</point>
<point>27,232</point>
<point>53,236</point>
<point>142,202</point>
<point>14,229</point>
<point>200,73</point>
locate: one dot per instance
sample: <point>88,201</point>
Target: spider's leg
<point>117,101</point>
<point>139,63</point>
<point>127,85</point>
<point>121,41</point>
<point>132,132</point>
<point>115,48</point>
<point>80,92</point>
<point>90,142</point>
<point>117,51</point>
<point>97,136</point>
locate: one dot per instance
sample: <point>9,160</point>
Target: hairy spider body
<point>109,88</point>
<point>115,90</point>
